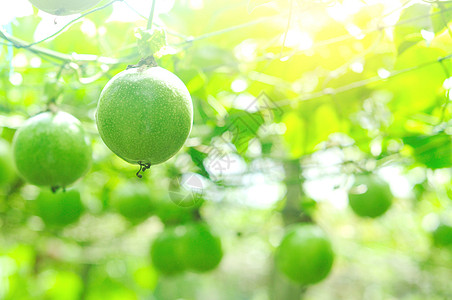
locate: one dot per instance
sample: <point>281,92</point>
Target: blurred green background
<point>294,101</point>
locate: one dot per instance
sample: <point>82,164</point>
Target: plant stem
<point>18,43</point>
<point>151,16</point>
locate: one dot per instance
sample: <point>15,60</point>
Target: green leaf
<point>326,122</point>
<point>415,92</point>
<point>295,135</point>
<point>408,33</point>
<point>434,151</point>
<point>243,127</point>
<point>150,43</point>
<point>441,15</point>
<point>198,159</point>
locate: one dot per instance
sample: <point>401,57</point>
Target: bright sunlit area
<point>225,149</point>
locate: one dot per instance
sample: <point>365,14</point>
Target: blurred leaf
<point>433,151</point>
<point>441,15</point>
<point>243,127</point>
<point>295,135</point>
<point>146,277</point>
<point>325,122</point>
<point>100,16</point>
<point>198,158</point>
<point>149,43</point>
<point>408,33</point>
<point>62,285</point>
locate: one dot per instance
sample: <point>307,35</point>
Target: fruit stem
<point>151,16</point>
<point>54,189</point>
<point>147,62</point>
<point>143,168</point>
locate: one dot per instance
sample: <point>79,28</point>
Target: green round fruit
<point>442,236</point>
<point>59,209</point>
<point>145,115</point>
<point>51,149</point>
<point>370,196</point>
<point>202,250</point>
<point>171,214</point>
<point>167,252</point>
<point>6,165</point>
<point>133,201</point>
<point>305,254</point>
<point>64,7</point>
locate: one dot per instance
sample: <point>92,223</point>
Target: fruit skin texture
<point>59,209</point>
<point>305,254</point>
<point>51,149</point>
<point>167,252</point>
<point>202,249</point>
<point>7,173</point>
<point>64,7</point>
<point>370,197</point>
<point>133,201</point>
<point>145,115</point>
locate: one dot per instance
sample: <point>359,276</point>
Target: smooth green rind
<point>167,252</point>
<point>375,198</point>
<point>51,149</point>
<point>305,255</point>
<point>59,209</point>
<point>64,7</point>
<point>203,250</point>
<point>133,201</point>
<point>145,115</point>
<point>6,165</point>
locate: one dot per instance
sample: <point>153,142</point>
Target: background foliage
<point>291,99</point>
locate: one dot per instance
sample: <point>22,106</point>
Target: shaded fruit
<point>370,196</point>
<point>202,249</point>
<point>51,149</point>
<point>145,115</point>
<point>133,201</point>
<point>6,165</point>
<point>167,252</point>
<point>64,7</point>
<point>171,214</point>
<point>60,208</point>
<point>442,236</point>
<point>305,254</point>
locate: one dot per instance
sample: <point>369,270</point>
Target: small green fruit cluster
<point>190,247</point>
<point>370,196</point>
<point>305,254</point>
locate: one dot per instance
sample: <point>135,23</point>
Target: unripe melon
<point>51,149</point>
<point>305,254</point>
<point>59,209</point>
<point>133,201</point>
<point>167,252</point>
<point>202,249</point>
<point>64,7</point>
<point>145,115</point>
<point>370,196</point>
